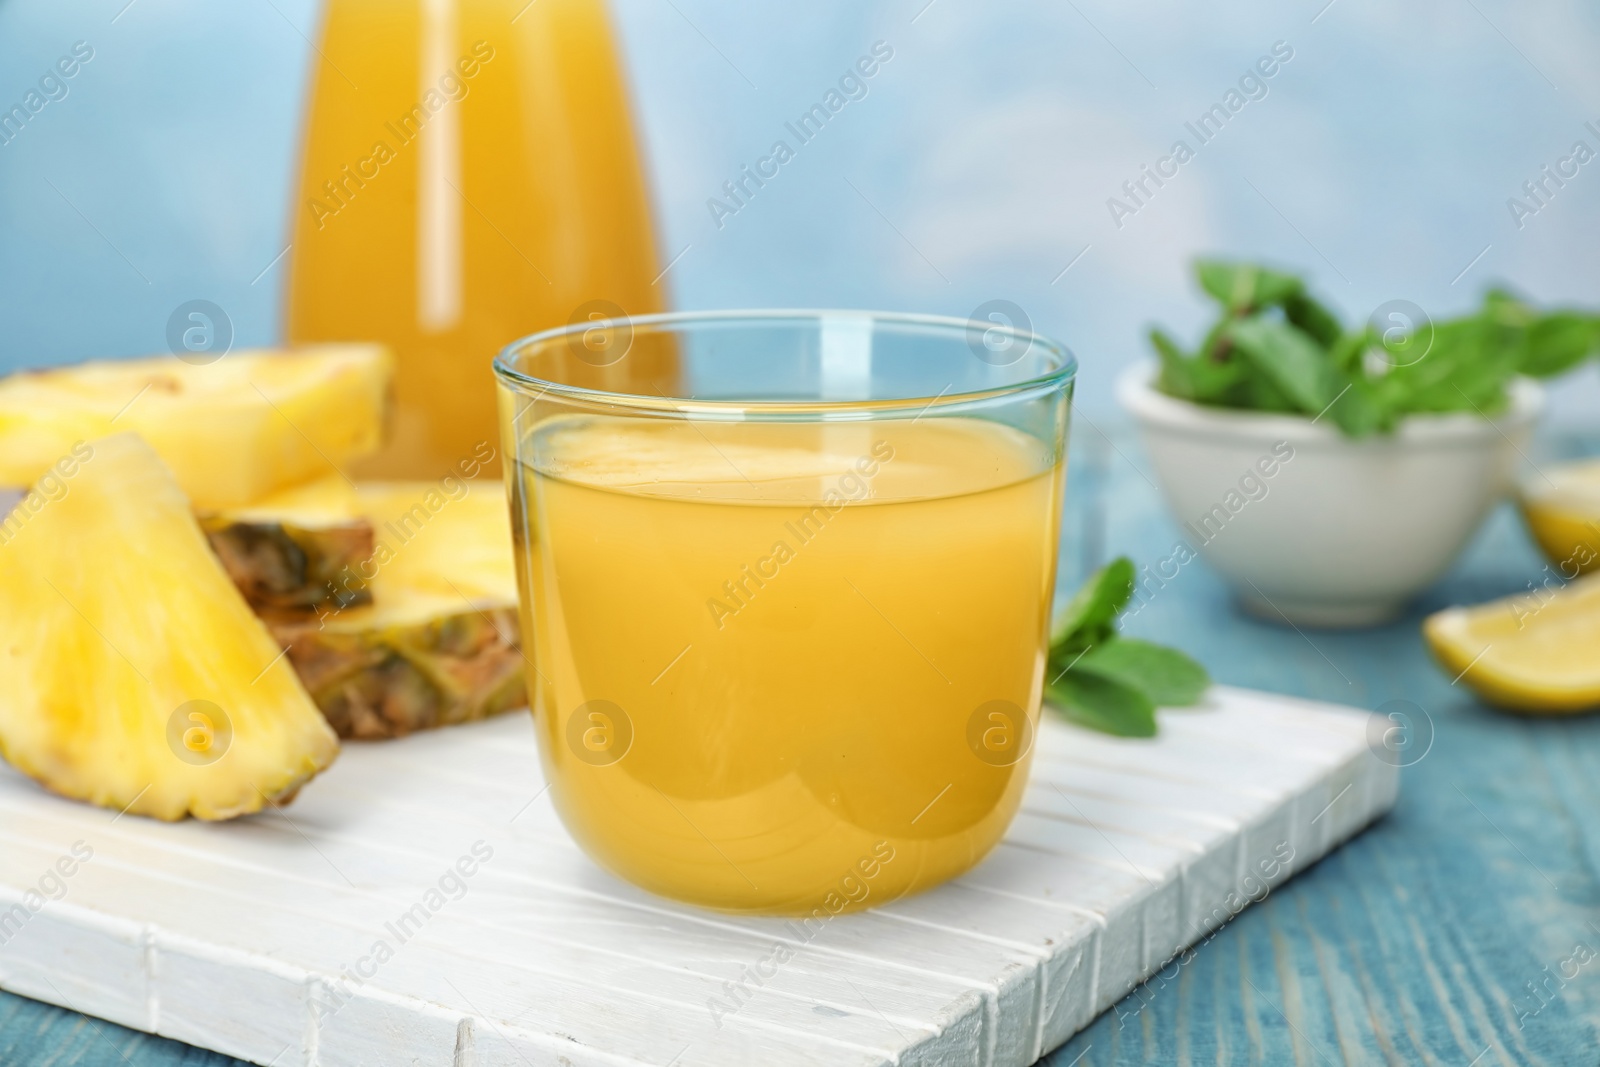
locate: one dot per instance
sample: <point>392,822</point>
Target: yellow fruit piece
<point>233,431</point>
<point>1537,652</point>
<point>132,673</point>
<point>440,546</point>
<point>1562,509</point>
<point>440,643</point>
<point>322,502</point>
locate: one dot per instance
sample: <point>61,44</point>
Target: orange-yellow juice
<point>469,176</point>
<point>787,668</point>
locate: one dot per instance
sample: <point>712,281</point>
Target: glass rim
<point>1063,372</point>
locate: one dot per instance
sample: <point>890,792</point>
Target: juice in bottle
<point>469,176</point>
<point>787,668</point>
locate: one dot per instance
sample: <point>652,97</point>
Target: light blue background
<point>981,160</point>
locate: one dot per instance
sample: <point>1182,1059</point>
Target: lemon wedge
<point>1562,509</point>
<point>1536,652</point>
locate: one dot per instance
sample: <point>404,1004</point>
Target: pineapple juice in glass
<point>788,603</point>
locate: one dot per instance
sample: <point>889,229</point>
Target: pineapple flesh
<point>133,674</point>
<point>288,552</point>
<point>233,431</point>
<point>439,644</point>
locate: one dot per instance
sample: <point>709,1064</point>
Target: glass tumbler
<point>789,599</point>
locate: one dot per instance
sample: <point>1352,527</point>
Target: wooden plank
<point>248,937</point>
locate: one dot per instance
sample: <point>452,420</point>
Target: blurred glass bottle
<point>469,176</point>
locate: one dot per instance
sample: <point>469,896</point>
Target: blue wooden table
<point>1464,929</point>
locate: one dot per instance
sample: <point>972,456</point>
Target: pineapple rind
<point>373,679</point>
<point>289,550</point>
<point>116,615</point>
<point>287,566</point>
<point>232,431</point>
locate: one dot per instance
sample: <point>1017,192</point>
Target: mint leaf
<point>1112,683</point>
<point>1261,393</point>
<point>1559,342</point>
<point>1290,360</point>
<point>1208,377</point>
<point>1244,287</point>
<point>1090,615</point>
<point>1358,407</point>
<point>1313,320</point>
<point>1164,675</point>
<point>1103,704</point>
<point>1177,369</point>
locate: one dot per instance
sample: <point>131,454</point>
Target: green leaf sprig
<point>1275,348</point>
<point>1107,682</point>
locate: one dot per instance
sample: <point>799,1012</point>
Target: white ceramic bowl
<point>1312,527</point>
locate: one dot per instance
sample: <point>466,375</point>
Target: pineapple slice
<point>232,431</point>
<point>132,673</point>
<point>333,497</point>
<point>288,551</point>
<point>439,644</point>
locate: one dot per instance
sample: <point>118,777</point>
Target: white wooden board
<point>248,937</point>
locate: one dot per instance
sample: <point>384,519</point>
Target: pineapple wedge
<point>440,642</point>
<point>132,673</point>
<point>232,431</point>
<point>288,551</point>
